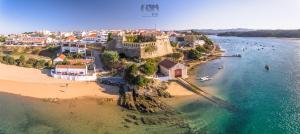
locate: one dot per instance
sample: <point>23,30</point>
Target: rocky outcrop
<point>145,99</point>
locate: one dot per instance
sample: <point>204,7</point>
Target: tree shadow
<point>46,72</point>
<point>109,89</point>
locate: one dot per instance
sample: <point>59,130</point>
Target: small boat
<point>206,78</point>
<point>267,67</point>
<point>221,67</point>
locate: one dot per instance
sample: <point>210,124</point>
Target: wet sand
<point>73,116</point>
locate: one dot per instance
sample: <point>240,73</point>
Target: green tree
<point>22,60</point>
<point>40,64</point>
<point>130,73</point>
<point>194,54</point>
<point>2,38</point>
<point>201,49</point>
<point>141,80</point>
<point>109,37</point>
<point>31,62</point>
<point>174,44</point>
<point>149,68</point>
<point>110,58</point>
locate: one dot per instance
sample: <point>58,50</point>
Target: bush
<point>110,58</point>
<point>21,61</point>
<point>194,54</point>
<point>175,56</point>
<point>141,81</point>
<point>149,68</point>
<point>31,62</point>
<point>201,49</point>
<point>8,60</point>
<point>130,73</point>
<point>174,44</point>
<point>40,64</point>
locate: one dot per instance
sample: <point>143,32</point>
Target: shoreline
<point>37,83</point>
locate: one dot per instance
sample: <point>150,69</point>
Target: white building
<point>34,41</point>
<point>173,70</point>
<point>60,58</point>
<point>73,72</point>
<point>73,47</point>
<point>92,38</point>
<point>102,37</point>
<point>197,43</point>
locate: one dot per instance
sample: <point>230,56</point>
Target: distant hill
<point>265,33</point>
<point>217,31</point>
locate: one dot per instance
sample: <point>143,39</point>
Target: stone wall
<point>138,49</point>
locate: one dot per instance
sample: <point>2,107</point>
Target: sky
<point>18,16</point>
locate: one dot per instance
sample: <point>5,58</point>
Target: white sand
<point>176,89</point>
<point>33,83</point>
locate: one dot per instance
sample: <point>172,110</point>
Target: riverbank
<point>215,55</point>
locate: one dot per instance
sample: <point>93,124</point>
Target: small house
<point>173,69</point>
<point>60,58</point>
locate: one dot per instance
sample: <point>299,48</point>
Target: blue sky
<point>68,15</point>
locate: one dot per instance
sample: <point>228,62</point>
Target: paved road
<point>98,63</point>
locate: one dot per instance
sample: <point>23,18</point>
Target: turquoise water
<point>268,102</point>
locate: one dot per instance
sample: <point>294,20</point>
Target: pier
<point>235,55</point>
<point>218,101</point>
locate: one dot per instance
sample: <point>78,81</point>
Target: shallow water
<point>267,101</point>
<point>23,115</point>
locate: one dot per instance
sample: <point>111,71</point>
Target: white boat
<point>206,78</point>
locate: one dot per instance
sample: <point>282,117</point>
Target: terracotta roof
<point>71,66</point>
<point>167,63</point>
<point>71,38</point>
<point>61,56</point>
<point>92,36</point>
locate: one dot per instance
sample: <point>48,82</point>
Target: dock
<point>235,55</point>
<point>216,100</point>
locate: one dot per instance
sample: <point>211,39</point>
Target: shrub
<point>201,49</point>
<point>110,58</point>
<point>141,81</point>
<point>194,54</point>
<point>149,68</point>
<point>174,44</point>
<point>31,62</point>
<point>40,64</point>
<point>175,56</point>
<point>130,73</point>
<point>21,60</point>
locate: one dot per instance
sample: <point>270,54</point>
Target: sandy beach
<point>34,83</point>
<point>176,89</point>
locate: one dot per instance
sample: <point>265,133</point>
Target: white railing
<point>75,78</point>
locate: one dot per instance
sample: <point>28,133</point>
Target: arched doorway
<point>178,73</point>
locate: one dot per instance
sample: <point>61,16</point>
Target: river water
<point>267,102</point>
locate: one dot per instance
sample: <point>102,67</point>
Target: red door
<point>178,73</point>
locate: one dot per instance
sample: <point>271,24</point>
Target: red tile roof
<point>71,38</point>
<point>71,66</point>
<point>62,56</point>
<point>167,63</point>
<point>92,36</point>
